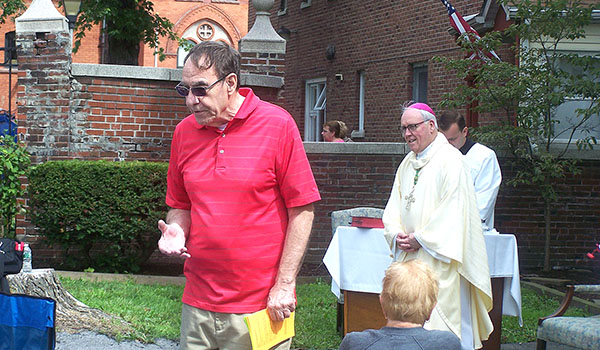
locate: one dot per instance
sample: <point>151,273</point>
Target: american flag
<point>461,26</point>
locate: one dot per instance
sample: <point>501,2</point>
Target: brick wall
<point>381,38</point>
<point>361,175</point>
<point>575,217</point>
<point>107,117</point>
<point>232,16</point>
<point>365,179</point>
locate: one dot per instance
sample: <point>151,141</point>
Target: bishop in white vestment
<point>432,216</point>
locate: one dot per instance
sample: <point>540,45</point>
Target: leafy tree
<point>10,8</point>
<point>14,161</point>
<point>528,99</point>
<point>128,22</point>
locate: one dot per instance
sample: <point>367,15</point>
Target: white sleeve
<point>487,183</point>
<point>391,215</point>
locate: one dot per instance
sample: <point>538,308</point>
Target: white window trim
<point>416,66</point>
<point>321,103</point>
<point>361,106</point>
<point>282,11</point>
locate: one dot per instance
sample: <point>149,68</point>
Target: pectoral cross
<point>410,199</point>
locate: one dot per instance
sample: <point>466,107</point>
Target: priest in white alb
<point>480,160</point>
<point>432,216</point>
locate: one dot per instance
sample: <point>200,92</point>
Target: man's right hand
<point>172,240</point>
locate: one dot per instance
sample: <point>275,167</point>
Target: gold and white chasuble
<point>444,218</point>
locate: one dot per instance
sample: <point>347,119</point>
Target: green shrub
<point>103,214</point>
<point>14,161</point>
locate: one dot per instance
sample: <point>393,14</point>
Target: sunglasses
<point>197,91</point>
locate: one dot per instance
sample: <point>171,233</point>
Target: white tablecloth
<point>358,257</point>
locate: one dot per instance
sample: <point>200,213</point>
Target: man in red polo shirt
<point>240,191</point>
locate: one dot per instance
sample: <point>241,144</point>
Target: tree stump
<point>71,314</point>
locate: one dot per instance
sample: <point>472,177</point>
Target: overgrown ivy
<point>14,161</point>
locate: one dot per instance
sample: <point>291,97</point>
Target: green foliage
<point>127,21</point>
<point>14,161</point>
<point>103,214</point>
<point>526,98</point>
<point>9,8</point>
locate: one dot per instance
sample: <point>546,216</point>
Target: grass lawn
<point>154,311</point>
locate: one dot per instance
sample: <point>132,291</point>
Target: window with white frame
<point>419,83</point>
<point>566,116</point>
<point>315,111</point>
<point>361,106</point>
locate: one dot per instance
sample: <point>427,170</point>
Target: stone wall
<point>108,112</point>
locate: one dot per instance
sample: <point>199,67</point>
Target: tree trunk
<point>547,236</point>
<point>71,314</point>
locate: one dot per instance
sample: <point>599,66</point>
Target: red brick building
<point>359,61</point>
<point>372,57</point>
<point>194,20</point>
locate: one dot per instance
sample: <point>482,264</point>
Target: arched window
<point>202,30</point>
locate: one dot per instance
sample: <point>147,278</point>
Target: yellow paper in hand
<point>265,333</point>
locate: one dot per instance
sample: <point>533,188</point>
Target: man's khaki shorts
<point>201,329</point>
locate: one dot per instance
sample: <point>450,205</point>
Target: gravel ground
<point>93,341</point>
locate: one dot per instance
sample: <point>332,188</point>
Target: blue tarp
<point>26,322</point>
<point>7,126</point>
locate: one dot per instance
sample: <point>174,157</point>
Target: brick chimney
<point>44,56</point>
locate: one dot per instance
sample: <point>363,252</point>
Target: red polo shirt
<point>238,184</point>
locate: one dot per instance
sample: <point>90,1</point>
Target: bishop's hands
<point>407,242</point>
<point>172,240</point>
<point>282,301</point>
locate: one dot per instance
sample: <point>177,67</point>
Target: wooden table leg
<point>340,318</point>
<point>493,342</point>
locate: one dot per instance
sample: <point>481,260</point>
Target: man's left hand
<point>407,242</point>
<point>281,302</point>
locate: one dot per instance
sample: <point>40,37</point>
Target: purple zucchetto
<point>423,107</point>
